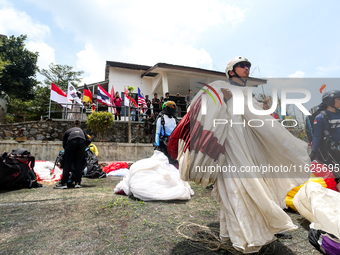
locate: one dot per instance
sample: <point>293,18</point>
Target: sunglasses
<point>243,65</point>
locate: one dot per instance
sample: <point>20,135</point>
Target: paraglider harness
<point>164,138</point>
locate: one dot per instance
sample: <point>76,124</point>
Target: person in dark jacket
<point>75,141</point>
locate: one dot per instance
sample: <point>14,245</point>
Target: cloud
<point>91,63</point>
<point>322,71</point>
<point>16,22</point>
<point>141,32</point>
<point>297,74</point>
<point>46,53</point>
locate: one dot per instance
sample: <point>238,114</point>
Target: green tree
<point>60,75</point>
<point>2,63</point>
<point>31,109</point>
<point>19,66</point>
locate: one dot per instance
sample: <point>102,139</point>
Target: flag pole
<point>49,110</point>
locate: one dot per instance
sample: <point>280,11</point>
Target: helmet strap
<point>336,109</point>
<point>244,81</point>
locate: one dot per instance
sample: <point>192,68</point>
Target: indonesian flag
<point>102,96</point>
<point>87,95</point>
<point>126,99</point>
<point>59,96</point>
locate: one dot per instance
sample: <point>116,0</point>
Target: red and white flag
<point>59,96</point>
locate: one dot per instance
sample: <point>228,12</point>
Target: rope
<point>203,234</point>
<point>210,237</point>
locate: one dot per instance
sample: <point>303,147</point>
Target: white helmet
<point>233,62</point>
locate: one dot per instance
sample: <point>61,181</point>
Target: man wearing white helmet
<point>251,202</point>
<point>237,71</point>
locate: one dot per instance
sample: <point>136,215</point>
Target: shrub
<point>100,123</point>
<point>9,119</point>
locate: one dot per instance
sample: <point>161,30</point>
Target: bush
<point>100,123</point>
<point>9,119</point>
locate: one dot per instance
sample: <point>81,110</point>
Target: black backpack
<point>17,170</point>
<point>93,170</point>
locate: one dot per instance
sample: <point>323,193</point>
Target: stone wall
<point>49,150</point>
<point>53,130</point>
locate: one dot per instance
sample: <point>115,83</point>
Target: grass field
<point>94,220</point>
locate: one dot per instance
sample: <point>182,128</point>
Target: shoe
<point>60,186</point>
<point>77,185</point>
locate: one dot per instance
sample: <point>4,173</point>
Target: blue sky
<point>282,39</point>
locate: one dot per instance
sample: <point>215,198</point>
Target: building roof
<point>123,65</point>
<point>159,66</point>
<point>152,71</point>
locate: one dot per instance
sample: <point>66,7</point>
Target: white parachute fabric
<point>321,206</point>
<point>45,172</point>
<point>251,201</point>
<point>154,179</point>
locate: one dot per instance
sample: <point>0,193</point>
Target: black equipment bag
<point>17,170</point>
<point>92,169</point>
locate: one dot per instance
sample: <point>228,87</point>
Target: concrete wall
<point>107,151</point>
<point>120,78</point>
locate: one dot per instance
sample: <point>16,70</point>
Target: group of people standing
<point>154,106</point>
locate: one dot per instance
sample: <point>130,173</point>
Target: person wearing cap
<point>215,146</point>
<point>326,140</point>
<point>166,123</point>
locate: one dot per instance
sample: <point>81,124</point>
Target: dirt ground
<point>94,220</point>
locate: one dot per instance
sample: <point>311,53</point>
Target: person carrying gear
<point>326,140</point>
<point>165,124</point>
<point>204,149</point>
